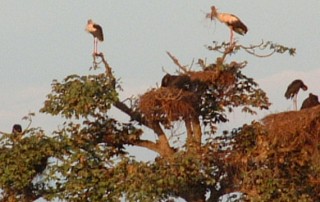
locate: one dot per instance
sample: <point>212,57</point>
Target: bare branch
<point>106,65</point>
<point>176,61</point>
<point>226,48</point>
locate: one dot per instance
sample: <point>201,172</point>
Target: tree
<point>87,160</point>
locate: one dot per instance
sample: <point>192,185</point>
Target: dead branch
<point>251,50</point>
<point>106,65</point>
<point>226,48</point>
<point>176,61</point>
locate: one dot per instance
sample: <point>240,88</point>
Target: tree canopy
<point>87,160</point>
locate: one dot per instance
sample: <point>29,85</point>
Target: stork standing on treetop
<point>232,21</point>
<point>96,31</point>
<point>293,89</point>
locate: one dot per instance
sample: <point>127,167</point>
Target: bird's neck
<point>223,17</point>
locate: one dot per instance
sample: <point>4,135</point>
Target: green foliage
<point>87,170</point>
<point>181,174</point>
<point>230,90</point>
<point>22,160</point>
<point>87,161</point>
<point>273,169</point>
<point>81,96</point>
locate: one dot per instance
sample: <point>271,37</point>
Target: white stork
<point>232,21</point>
<point>96,31</point>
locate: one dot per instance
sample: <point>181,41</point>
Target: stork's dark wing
<point>294,88</point>
<point>98,33</point>
<point>237,25</point>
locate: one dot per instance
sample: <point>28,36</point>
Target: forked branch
<point>162,146</point>
<point>176,61</point>
<point>226,49</point>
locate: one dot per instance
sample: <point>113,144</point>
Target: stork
<point>96,31</point>
<point>16,128</point>
<point>311,101</point>
<point>232,21</point>
<point>293,89</point>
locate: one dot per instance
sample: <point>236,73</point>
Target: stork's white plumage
<point>96,31</point>
<point>232,21</point>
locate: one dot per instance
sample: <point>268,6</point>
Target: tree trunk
<point>195,194</point>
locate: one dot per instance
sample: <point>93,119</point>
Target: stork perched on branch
<point>293,89</point>
<point>96,31</point>
<point>232,21</point>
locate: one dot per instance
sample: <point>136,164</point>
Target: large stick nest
<point>295,131</point>
<point>225,78</point>
<point>168,104</point>
<point>286,124</point>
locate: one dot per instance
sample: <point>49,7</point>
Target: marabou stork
<point>16,128</point>
<point>311,101</point>
<point>293,89</point>
<point>232,21</point>
<point>176,81</point>
<point>96,31</point>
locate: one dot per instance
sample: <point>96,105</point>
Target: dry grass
<point>168,104</point>
<point>295,131</point>
<point>287,124</point>
<point>213,77</point>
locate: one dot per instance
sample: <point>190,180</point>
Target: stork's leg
<point>94,45</point>
<point>231,37</point>
<point>96,51</point>
<point>295,102</point>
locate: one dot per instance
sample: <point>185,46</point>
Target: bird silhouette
<point>16,128</point>
<point>310,101</point>
<point>97,33</point>
<point>293,89</point>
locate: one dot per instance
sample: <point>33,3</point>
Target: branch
<point>162,146</point>
<point>3,133</point>
<point>106,65</point>
<point>176,61</point>
<point>196,130</point>
<point>163,143</point>
<point>226,48</point>
<point>135,116</point>
<point>150,145</point>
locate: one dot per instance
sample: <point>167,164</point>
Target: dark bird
<point>232,21</point>
<point>17,132</point>
<point>96,31</point>
<point>293,89</point>
<point>311,101</point>
<point>176,81</point>
<point>16,129</point>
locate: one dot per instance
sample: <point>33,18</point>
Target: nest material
<point>295,131</point>
<point>168,104</point>
<point>294,122</point>
<point>224,78</point>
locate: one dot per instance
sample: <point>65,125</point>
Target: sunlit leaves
<point>230,90</point>
<point>183,173</point>
<point>81,96</point>
<point>273,169</point>
<point>22,160</point>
